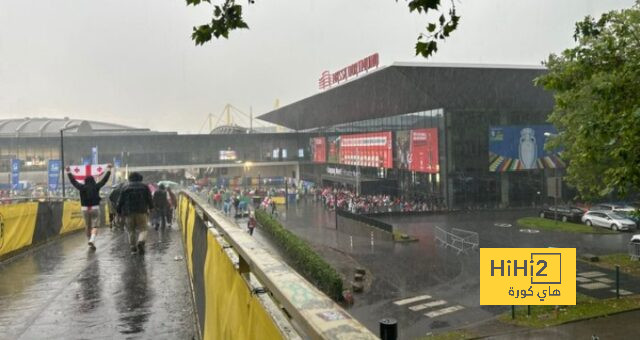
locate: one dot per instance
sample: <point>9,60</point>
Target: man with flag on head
<point>82,178</point>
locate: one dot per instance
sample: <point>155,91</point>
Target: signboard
<point>54,174</point>
<point>319,149</point>
<point>527,276</point>
<point>228,155</point>
<point>333,153</point>
<point>367,149</point>
<point>364,65</point>
<point>15,174</point>
<point>423,151</point>
<point>521,147</point>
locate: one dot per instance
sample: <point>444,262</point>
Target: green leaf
<point>431,27</point>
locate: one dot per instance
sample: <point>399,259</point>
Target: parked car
<point>621,209</point>
<point>564,213</point>
<point>608,220</point>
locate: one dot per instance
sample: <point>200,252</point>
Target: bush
<point>303,259</point>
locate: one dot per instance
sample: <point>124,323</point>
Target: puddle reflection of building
<point>133,304</point>
<point>89,294</point>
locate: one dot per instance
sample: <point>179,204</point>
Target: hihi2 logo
<point>527,276</point>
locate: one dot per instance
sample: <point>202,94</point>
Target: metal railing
<point>459,239</point>
<point>313,314</point>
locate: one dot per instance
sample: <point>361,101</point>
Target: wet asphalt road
<point>409,270</point>
<point>64,291</point>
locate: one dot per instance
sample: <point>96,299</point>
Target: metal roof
<point>41,127</point>
<point>413,87</point>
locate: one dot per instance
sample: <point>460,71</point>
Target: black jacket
<point>135,198</point>
<point>160,200</point>
<point>90,190</point>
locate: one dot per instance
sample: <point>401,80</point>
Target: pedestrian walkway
<point>62,290</point>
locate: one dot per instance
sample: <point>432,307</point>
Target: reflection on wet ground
<point>63,290</point>
<point>441,280</point>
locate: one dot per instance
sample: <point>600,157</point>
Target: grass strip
<point>585,308</point>
<point>551,225</point>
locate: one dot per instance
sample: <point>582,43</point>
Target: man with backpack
<point>134,205</point>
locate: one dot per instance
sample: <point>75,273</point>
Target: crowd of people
<point>130,205</point>
<point>345,199</point>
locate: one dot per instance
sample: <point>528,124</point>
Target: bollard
<point>617,281</point>
<point>388,329</point>
<point>513,312</point>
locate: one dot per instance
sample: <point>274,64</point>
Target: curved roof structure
<point>42,127</point>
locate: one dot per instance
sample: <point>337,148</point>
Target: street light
<point>62,168</point>
<point>555,181</point>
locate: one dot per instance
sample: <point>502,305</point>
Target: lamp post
<point>555,184</point>
<point>62,167</point>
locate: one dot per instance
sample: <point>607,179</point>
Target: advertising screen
<point>367,149</point>
<point>228,155</point>
<point>333,154</point>
<point>521,147</point>
<point>423,151</point>
<point>319,149</point>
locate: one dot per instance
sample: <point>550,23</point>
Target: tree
<point>227,16</point>
<point>596,87</point>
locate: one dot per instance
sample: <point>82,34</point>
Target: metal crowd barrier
<point>459,239</point>
<point>634,250</point>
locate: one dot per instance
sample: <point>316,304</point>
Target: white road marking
<point>592,274</point>
<point>412,300</point>
<point>428,305</point>
<point>595,285</point>
<point>444,311</point>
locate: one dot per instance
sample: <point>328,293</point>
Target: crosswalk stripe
<point>411,300</point>
<point>428,305</point>
<point>443,311</point>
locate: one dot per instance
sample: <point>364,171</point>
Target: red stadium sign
<point>319,149</point>
<point>423,151</point>
<point>364,65</point>
<point>367,149</point>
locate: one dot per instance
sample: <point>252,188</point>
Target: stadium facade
<point>460,135</point>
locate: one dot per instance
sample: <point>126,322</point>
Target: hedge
<point>303,259</point>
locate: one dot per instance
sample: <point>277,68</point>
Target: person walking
<point>114,219</point>
<point>251,223</point>
<point>173,204</point>
<point>90,203</point>
<point>134,204</point>
<point>160,207</point>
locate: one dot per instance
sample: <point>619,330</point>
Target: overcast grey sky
<point>133,62</point>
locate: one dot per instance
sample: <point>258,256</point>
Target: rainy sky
<point>133,62</point>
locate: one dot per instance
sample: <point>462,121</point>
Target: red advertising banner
<point>319,149</point>
<point>423,153</point>
<point>367,149</point>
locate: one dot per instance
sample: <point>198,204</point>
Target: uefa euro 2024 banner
<point>521,147</point>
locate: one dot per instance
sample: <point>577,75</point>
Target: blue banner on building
<point>94,155</point>
<point>15,174</point>
<point>521,147</point>
<point>54,174</point>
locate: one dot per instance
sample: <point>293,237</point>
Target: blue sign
<point>15,174</point>
<point>521,147</point>
<point>94,155</point>
<point>54,174</point>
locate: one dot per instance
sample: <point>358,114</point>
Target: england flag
<point>80,172</point>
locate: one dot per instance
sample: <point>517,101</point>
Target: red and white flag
<point>80,172</point>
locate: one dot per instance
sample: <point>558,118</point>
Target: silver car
<point>608,220</point>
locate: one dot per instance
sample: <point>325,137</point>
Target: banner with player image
<point>319,149</point>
